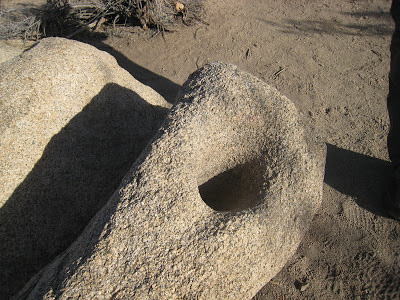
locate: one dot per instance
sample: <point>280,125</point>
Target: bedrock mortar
<point>213,208</point>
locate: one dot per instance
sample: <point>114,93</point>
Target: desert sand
<point>331,58</point>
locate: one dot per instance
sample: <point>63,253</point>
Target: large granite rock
<point>72,123</point>
<point>9,51</point>
<point>213,207</point>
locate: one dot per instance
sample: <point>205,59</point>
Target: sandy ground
<point>331,58</point>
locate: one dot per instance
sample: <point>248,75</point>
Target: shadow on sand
<point>357,175</point>
<point>378,25</point>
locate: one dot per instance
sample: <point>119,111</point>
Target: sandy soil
<point>331,58</point>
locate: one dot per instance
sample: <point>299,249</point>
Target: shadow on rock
<point>357,175</point>
<point>79,170</point>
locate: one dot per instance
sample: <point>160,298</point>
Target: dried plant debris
<point>69,17</point>
<point>20,23</point>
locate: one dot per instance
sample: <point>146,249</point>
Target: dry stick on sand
<point>276,74</point>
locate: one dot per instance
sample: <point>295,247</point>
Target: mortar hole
<point>236,189</point>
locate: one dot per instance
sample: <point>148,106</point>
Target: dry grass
<point>20,23</point>
<point>69,17</point>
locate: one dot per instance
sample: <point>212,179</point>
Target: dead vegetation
<point>20,23</point>
<point>70,17</point>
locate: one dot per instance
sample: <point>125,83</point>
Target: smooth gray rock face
<point>212,209</point>
<point>72,123</point>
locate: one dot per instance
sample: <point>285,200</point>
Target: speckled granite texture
<point>212,208</point>
<point>72,123</point>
